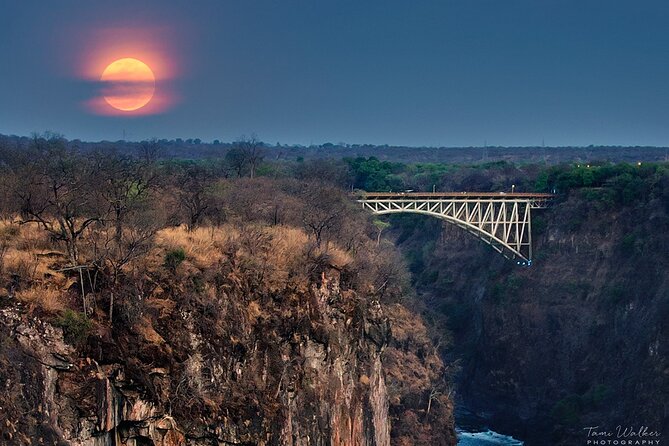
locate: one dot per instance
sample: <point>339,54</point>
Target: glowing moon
<point>129,84</point>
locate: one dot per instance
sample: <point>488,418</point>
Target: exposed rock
<point>320,382</point>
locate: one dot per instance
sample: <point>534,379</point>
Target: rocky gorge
<point>222,350</point>
<point>579,338</point>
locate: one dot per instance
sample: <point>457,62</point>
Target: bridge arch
<point>504,221</point>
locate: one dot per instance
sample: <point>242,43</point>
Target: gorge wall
<point>578,339</point>
<point>254,337</point>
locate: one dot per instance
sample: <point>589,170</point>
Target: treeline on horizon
<point>250,157</point>
<point>195,148</point>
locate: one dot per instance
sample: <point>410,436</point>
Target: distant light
<point>639,163</point>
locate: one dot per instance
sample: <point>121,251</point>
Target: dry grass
<point>28,252</point>
<point>288,257</point>
<point>23,264</point>
<point>203,246</point>
<point>8,230</point>
<point>287,238</point>
<point>285,258</point>
<point>337,257</point>
<point>254,311</point>
<point>25,237</point>
<point>279,253</point>
<point>49,299</point>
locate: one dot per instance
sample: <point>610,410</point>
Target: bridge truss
<point>503,220</point>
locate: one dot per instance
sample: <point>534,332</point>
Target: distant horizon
<point>337,144</point>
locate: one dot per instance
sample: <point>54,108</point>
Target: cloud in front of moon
<point>128,84</point>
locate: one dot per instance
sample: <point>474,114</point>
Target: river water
<point>472,430</point>
<point>487,438</point>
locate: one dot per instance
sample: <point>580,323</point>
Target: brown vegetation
<point>223,302</point>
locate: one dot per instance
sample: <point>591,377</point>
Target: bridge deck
<point>450,195</point>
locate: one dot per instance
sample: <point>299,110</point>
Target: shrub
<point>174,258</point>
<point>8,231</point>
<point>597,395</point>
<point>459,316</point>
<point>568,410</point>
<point>76,326</point>
<point>198,284</point>
<point>628,244</point>
<point>48,299</point>
<point>616,294</point>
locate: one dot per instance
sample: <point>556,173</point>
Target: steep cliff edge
<point>229,335</point>
<point>579,339</point>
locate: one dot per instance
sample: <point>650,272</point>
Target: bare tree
<point>116,253</point>
<point>124,187</point>
<point>55,192</point>
<point>434,395</point>
<point>8,201</point>
<point>380,227</point>
<point>150,151</point>
<point>324,209</point>
<point>246,154</point>
<point>193,191</point>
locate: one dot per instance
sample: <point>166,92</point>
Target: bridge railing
<point>537,200</point>
<point>365,194</point>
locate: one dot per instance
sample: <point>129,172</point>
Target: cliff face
<point>578,339</point>
<point>254,339</point>
<point>330,389</point>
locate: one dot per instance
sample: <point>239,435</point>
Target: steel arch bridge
<point>503,220</point>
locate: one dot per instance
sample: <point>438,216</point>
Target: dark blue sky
<point>440,72</point>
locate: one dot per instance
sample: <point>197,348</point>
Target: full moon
<point>129,84</point>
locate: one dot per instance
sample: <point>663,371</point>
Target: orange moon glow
<point>129,84</point>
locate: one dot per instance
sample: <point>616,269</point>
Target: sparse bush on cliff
<point>568,410</point>
<point>76,326</point>
<point>174,258</point>
<point>418,387</point>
